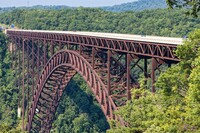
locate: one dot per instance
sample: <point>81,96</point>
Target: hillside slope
<point>137,6</point>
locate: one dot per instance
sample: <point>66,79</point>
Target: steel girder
<point>147,49</point>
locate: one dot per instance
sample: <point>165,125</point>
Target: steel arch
<point>61,67</point>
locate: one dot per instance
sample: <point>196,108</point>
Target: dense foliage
<point>158,22</point>
<point>139,5</point>
<point>78,110</point>
<point>51,7</point>
<point>8,91</point>
<point>176,106</point>
<point>192,6</point>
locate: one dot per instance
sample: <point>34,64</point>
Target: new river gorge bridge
<point>46,61</point>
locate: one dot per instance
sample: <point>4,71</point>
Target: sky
<point>85,3</point>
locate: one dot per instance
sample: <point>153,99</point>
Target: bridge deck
<point>142,38</point>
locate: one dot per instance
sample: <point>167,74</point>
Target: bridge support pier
<point>128,73</point>
<point>23,72</point>
<point>32,66</point>
<point>153,69</point>
<point>145,71</point>
<point>108,69</point>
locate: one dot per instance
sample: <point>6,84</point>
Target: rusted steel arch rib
<point>60,64</point>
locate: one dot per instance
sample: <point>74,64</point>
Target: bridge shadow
<point>78,111</point>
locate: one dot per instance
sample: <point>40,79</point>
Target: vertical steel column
<point>38,61</point>
<point>145,71</point>
<point>153,66</point>
<point>68,47</point>
<point>93,57</point>
<point>80,49</point>
<point>12,58</point>
<point>45,52</point>
<point>52,48</point>
<point>12,54</point>
<point>108,67</point>
<point>128,64</point>
<point>60,45</point>
<point>23,67</point>
<point>19,77</point>
<point>33,72</point>
<point>28,57</point>
<point>47,48</point>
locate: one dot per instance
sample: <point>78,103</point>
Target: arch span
<point>57,73</point>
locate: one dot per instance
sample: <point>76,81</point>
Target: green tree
<point>176,105</point>
<point>78,111</point>
<point>8,91</point>
<point>193,6</point>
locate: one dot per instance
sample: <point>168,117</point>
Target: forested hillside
<point>52,7</point>
<point>8,90</point>
<point>2,10</point>
<point>78,110</point>
<point>167,111</point>
<point>160,22</point>
<point>137,5</point>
